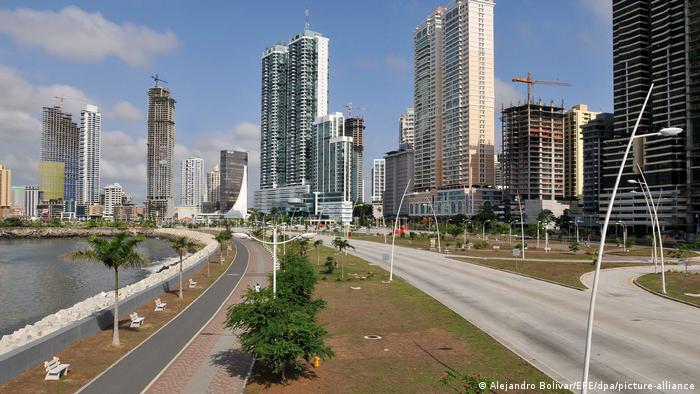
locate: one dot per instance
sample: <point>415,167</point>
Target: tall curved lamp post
<point>522,226</point>
<point>437,225</point>
<point>393,233</point>
<point>653,227</point>
<point>645,188</point>
<point>666,132</point>
<point>274,244</point>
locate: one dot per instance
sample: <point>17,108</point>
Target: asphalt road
<point>638,337</point>
<point>137,369</point>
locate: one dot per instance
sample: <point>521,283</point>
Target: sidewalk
<point>212,362</point>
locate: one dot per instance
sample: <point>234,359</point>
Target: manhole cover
<point>372,336</point>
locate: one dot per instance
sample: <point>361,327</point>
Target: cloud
<point>124,110</point>
<point>600,9</point>
<point>397,63</point>
<point>75,34</point>
<point>506,94</point>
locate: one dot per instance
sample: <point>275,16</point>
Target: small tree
<point>115,253</point>
<point>317,245</point>
<point>454,230</point>
<point>182,245</point>
<point>330,265</point>
<point>574,246</point>
<point>342,246</point>
<point>303,246</point>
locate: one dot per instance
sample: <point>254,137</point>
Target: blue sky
<point>210,54</point>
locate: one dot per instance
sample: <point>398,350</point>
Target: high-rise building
<point>355,128</point>
<point>398,175</point>
<point>60,143</point>
<point>17,196</point>
<point>378,179</point>
<point>294,94</point>
<point>5,187</point>
<point>533,151</point>
<point>574,120</point>
<point>113,195</point>
<point>454,96</point>
<point>192,188</point>
<point>90,147</point>
<point>159,157</point>
<point>333,156</point>
<point>656,42</point>
<point>594,133</point>
<point>233,188</point>
<point>498,171</point>
<point>407,131</point>
<point>213,182</point>
<point>31,200</point>
<point>427,101</point>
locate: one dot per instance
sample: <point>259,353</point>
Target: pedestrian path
<point>212,362</point>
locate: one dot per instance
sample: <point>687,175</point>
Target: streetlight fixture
<point>538,234</point>
<point>393,234</point>
<point>274,244</point>
<point>624,234</point>
<point>645,187</point>
<point>437,225</point>
<point>522,226</point>
<point>653,228</point>
<point>667,132</point>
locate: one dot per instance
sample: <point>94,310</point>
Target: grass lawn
<point>677,284</point>
<point>92,355</point>
<point>566,273</point>
<point>420,339</point>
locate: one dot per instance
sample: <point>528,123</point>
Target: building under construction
<point>533,151</point>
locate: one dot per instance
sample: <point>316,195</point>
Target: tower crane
<point>157,79</point>
<point>350,107</point>
<point>531,82</point>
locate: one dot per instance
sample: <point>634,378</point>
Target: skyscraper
<point>454,96</point>
<point>31,199</point>
<point>213,182</point>
<point>294,94</point>
<point>355,128</point>
<point>332,154</point>
<point>574,120</point>
<point>233,198</point>
<point>399,172</point>
<point>594,133</point>
<point>60,143</point>
<point>407,131</point>
<point>114,194</point>
<point>378,179</point>
<point>192,188</point>
<point>5,187</point>
<point>90,147</point>
<point>159,157</point>
<point>656,42</point>
<point>427,100</point>
<point>533,151</point>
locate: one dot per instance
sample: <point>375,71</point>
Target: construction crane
<point>350,107</point>
<point>531,82</point>
<point>63,97</point>
<point>157,79</point>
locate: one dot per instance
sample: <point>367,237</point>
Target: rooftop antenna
<point>306,18</point>
<point>155,78</point>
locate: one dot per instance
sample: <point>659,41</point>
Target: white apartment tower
<point>192,182</point>
<point>294,94</point>
<point>213,183</point>
<point>90,148</point>
<point>114,194</point>
<point>332,152</point>
<point>407,132</point>
<point>454,96</point>
<point>378,181</point>
<point>574,120</point>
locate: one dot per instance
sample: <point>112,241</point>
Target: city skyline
<point>123,106</point>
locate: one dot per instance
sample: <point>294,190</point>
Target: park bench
<point>54,369</point>
<point>136,320</point>
<point>160,305</point>
<point>192,284</point>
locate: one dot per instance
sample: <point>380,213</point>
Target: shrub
<point>481,245</point>
<point>330,265</point>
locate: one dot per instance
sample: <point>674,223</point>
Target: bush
<point>574,246</point>
<point>481,245</point>
<point>330,265</point>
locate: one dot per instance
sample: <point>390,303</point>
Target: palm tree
<point>182,245</point>
<point>317,245</point>
<point>116,252</point>
<point>222,237</point>
<point>303,246</point>
<point>342,245</point>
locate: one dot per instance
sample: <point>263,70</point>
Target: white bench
<point>54,369</point>
<point>160,305</point>
<point>136,320</point>
<point>192,284</point>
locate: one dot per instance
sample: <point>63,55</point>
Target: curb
<point>663,295</point>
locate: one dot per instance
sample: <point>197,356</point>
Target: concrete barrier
<point>27,356</point>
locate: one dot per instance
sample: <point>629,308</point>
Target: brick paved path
<point>212,362</point>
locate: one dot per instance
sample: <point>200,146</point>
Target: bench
<point>192,284</point>
<point>136,320</point>
<point>160,305</point>
<point>54,369</point>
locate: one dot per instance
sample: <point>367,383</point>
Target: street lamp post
<point>522,227</point>
<point>393,234</point>
<point>437,225</point>
<point>538,234</point>
<point>601,247</point>
<point>624,234</point>
<point>644,186</point>
<point>483,229</point>
<point>274,244</point>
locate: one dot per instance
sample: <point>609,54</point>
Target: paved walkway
<point>212,362</point>
<point>137,369</point>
